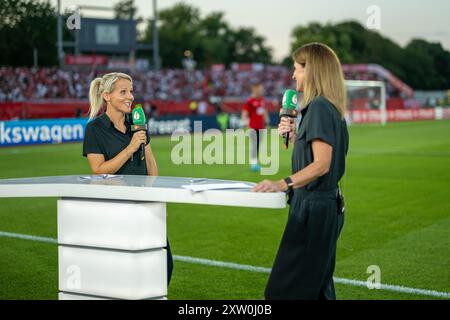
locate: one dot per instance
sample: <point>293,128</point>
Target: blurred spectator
<point>202,107</point>
<point>222,119</point>
<point>193,106</point>
<point>153,111</point>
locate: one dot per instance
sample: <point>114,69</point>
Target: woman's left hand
<point>270,186</point>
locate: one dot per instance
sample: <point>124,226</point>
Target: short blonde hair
<point>323,75</point>
<point>102,85</point>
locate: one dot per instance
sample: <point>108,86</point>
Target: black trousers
<point>255,143</point>
<point>258,141</point>
<point>305,262</point>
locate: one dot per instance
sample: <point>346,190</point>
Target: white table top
<point>137,188</point>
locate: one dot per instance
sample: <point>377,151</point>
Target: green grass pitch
<point>397,190</point>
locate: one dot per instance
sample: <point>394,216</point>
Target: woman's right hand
<point>139,137</point>
<point>287,125</point>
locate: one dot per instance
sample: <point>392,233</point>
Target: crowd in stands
<point>25,84</point>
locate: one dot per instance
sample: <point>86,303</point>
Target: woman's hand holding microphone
<point>139,137</point>
<point>287,125</point>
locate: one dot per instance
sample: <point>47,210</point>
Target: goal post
<point>366,95</point>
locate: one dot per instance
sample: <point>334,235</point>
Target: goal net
<point>366,101</point>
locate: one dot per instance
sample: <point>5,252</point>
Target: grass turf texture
<point>397,191</point>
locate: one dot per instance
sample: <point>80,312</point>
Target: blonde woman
<point>109,144</point>
<point>304,265</point>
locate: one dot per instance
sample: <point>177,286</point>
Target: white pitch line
<point>27,237</point>
<point>245,267</point>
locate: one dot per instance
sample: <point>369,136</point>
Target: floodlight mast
<point>156,65</point>
<point>59,48</point>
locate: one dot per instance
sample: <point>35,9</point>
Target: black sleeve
<point>90,143</point>
<point>320,122</point>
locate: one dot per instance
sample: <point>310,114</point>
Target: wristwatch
<point>289,183</point>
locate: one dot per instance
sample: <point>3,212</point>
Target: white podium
<point>112,232</point>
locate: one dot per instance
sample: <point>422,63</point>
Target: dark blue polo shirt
<point>101,137</point>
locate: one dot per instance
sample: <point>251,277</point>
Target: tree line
<point>31,24</point>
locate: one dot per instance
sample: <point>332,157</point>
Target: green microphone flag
<point>288,109</point>
<point>138,116</point>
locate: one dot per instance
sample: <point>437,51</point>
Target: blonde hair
<point>102,85</point>
<point>323,75</point>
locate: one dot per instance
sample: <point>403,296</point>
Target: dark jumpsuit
<point>304,265</point>
<point>102,137</point>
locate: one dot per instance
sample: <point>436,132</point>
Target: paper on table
<point>216,186</point>
<point>100,177</point>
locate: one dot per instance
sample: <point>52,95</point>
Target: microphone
<point>288,109</point>
<point>139,124</point>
